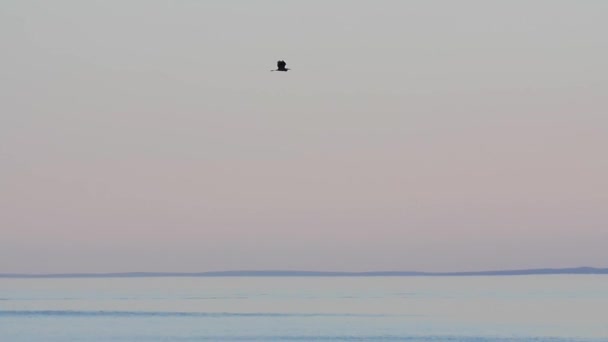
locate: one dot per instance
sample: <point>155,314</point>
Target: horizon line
<point>299,273</point>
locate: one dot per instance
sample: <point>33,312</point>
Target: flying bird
<point>281,66</point>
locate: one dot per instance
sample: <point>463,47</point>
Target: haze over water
<point>408,135</point>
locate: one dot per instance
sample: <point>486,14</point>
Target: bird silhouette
<point>281,66</point>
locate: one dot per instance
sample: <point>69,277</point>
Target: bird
<point>281,66</point>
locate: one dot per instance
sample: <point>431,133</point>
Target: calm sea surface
<point>509,308</point>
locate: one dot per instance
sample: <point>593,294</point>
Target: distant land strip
<point>279,273</point>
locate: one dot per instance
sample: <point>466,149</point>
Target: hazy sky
<point>409,135</point>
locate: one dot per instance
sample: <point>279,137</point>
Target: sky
<point>408,135</point>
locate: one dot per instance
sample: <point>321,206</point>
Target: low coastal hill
<point>281,273</point>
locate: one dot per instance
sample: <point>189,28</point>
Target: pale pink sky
<point>409,135</point>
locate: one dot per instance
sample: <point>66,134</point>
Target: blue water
<point>518,308</point>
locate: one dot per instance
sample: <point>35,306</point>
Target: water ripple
<point>80,313</point>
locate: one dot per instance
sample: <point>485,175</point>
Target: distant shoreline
<point>282,273</point>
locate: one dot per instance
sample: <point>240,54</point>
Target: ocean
<point>468,308</point>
